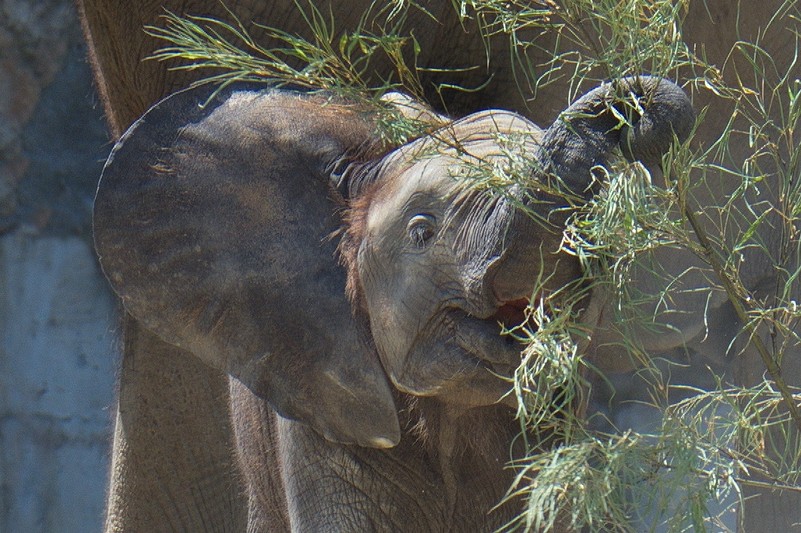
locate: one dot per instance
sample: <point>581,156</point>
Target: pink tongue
<point>512,313</point>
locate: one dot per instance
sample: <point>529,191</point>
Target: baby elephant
<point>353,289</point>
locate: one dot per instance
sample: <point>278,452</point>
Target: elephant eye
<point>421,229</point>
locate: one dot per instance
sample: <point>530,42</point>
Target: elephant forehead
<point>430,173</point>
<point>495,123</point>
<point>429,178</point>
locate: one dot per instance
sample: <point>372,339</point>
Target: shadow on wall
<point>57,317</point>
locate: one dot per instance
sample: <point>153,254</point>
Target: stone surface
<point>58,354</point>
<point>57,369</point>
<point>35,36</point>
<point>65,143</point>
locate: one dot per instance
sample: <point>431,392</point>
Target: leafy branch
<point>339,63</point>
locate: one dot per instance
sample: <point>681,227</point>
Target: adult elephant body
<point>456,54</point>
<point>173,468</point>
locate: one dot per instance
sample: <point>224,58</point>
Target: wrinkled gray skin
<point>214,225</point>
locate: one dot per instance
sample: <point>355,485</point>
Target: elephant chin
<point>467,361</point>
<point>495,356</point>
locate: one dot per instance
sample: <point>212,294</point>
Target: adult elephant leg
<point>172,466</point>
<point>118,47</point>
<point>172,469</point>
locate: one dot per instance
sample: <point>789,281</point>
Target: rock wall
<point>58,352</point>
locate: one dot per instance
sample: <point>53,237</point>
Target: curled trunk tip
<point>586,134</point>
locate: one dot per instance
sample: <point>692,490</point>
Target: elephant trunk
<point>530,258</point>
<point>586,134</point>
<point>584,137</point>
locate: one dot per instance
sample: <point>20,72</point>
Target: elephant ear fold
<point>213,223</point>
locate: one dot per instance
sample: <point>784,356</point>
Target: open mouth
<point>511,314</point>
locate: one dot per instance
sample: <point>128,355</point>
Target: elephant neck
<point>448,473</point>
<point>466,452</point>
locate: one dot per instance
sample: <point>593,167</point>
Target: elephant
<point>160,437</point>
<point>172,462</point>
<point>213,224</point>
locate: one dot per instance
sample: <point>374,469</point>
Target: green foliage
<point>711,443</point>
<point>597,39</point>
<point>339,63</point>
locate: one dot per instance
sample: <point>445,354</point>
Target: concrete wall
<point>57,317</point>
<point>56,382</point>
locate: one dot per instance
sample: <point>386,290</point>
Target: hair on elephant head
<point>216,224</point>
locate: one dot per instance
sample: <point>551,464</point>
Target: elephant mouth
<point>511,314</point>
<point>468,359</point>
<point>485,340</point>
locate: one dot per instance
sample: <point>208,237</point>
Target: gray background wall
<point>58,352</point>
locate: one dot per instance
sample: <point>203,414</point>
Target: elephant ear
<point>212,222</point>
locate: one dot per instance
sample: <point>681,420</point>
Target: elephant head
<point>218,218</point>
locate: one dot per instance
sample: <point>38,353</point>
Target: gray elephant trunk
<point>656,111</point>
<point>531,261</point>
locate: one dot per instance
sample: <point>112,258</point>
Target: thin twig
<point>739,304</point>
